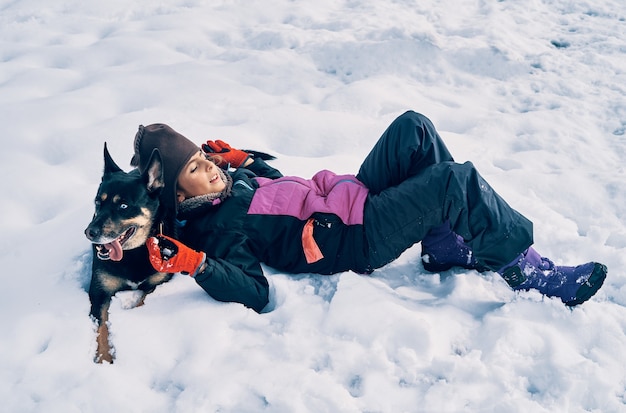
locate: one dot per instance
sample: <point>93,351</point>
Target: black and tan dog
<point>127,213</point>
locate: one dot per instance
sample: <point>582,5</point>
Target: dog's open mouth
<point>113,250</point>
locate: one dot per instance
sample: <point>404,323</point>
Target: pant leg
<point>409,145</point>
<point>401,215</point>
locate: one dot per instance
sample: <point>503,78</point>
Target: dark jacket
<point>289,223</point>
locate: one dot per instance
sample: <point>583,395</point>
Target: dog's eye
<point>123,206</point>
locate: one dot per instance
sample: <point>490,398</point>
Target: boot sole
<point>593,284</point>
<point>436,267</point>
<point>430,267</point>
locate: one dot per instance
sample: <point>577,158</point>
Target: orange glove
<point>232,156</point>
<point>168,255</point>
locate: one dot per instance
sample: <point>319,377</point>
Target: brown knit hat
<point>175,151</point>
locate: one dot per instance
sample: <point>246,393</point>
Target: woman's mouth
<point>215,179</point>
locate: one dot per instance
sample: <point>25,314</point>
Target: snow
<point>533,93</point>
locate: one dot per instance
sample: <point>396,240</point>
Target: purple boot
<point>442,249</point>
<point>573,285</point>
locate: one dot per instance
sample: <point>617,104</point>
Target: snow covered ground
<point>533,92</point>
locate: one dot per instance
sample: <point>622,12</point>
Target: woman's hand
<point>168,255</point>
<point>235,157</point>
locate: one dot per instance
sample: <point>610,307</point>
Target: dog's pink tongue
<point>115,250</point>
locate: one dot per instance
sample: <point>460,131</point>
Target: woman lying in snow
<point>408,189</point>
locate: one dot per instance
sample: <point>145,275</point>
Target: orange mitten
<point>169,255</point>
<point>232,156</point>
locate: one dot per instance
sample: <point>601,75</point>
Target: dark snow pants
<point>415,185</point>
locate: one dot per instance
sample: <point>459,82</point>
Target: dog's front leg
<point>150,284</point>
<point>100,315</point>
<point>105,350</point>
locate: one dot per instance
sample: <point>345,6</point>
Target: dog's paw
<point>131,299</point>
<point>101,358</point>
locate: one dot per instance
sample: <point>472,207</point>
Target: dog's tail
<point>258,154</point>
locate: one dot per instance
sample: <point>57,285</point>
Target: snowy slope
<point>533,92</point>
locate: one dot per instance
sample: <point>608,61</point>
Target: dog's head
<point>127,207</point>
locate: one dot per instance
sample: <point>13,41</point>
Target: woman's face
<point>199,177</point>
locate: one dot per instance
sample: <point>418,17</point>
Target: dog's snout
<point>91,233</point>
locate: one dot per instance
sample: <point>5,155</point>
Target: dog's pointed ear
<point>109,165</point>
<point>153,175</point>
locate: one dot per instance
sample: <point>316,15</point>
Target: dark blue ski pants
<point>415,185</point>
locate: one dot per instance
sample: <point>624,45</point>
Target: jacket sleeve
<point>234,274</point>
<point>261,168</point>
